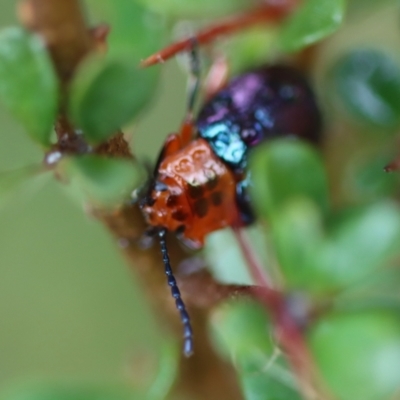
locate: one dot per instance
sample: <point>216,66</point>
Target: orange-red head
<point>194,194</point>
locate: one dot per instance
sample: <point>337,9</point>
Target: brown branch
<point>204,375</point>
<point>63,27</point>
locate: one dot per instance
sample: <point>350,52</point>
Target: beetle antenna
<point>176,294</point>
<point>195,71</point>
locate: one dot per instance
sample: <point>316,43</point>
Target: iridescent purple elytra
<point>262,104</point>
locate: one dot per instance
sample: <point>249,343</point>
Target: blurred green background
<point>69,306</point>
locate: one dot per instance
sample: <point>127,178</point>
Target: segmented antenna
<point>176,294</point>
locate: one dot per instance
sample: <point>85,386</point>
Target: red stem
<point>258,273</point>
<point>287,331</point>
<point>260,15</point>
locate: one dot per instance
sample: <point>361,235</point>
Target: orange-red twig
<point>268,13</point>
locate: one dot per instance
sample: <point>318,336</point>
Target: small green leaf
<point>62,391</point>
<point>242,332</point>
<point>28,83</point>
<point>285,169</point>
<point>367,83</point>
<point>106,94</point>
<point>103,180</point>
<point>358,354</point>
<point>313,21</point>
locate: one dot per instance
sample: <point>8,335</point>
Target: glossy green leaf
<point>313,21</point>
<point>28,83</point>
<point>358,354</point>
<point>367,83</point>
<point>243,333</point>
<point>283,170</point>
<point>103,180</point>
<point>197,8</point>
<point>106,94</point>
<point>62,391</point>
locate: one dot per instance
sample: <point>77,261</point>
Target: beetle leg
<point>194,78</point>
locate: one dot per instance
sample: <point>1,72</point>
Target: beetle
<point>199,183</point>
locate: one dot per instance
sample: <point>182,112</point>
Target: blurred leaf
<point>242,331</point>
<point>168,369</point>
<point>297,231</point>
<point>361,241</point>
<point>28,83</point>
<point>313,21</point>
<point>225,258</point>
<point>11,180</point>
<point>103,180</point>
<point>365,179</point>
<point>368,85</point>
<point>62,391</point>
<point>378,290</point>
<point>18,187</point>
<point>197,8</point>
<point>109,92</point>
<point>358,354</point>
<point>136,32</point>
<point>249,49</point>
<point>106,94</point>
<point>282,170</point>
<point>357,8</point>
